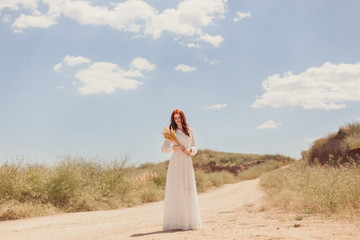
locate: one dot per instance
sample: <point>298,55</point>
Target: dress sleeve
<point>167,146</point>
<point>193,144</point>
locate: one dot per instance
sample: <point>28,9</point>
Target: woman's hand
<point>179,147</point>
<point>187,151</point>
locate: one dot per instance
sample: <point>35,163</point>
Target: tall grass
<point>318,189</point>
<point>205,181</point>
<point>76,183</point>
<point>258,170</point>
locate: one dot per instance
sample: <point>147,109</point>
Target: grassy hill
<point>213,161</point>
<point>340,148</point>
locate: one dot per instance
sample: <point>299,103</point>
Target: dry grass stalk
<point>147,177</point>
<point>170,134</point>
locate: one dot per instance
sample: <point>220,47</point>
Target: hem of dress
<point>182,228</point>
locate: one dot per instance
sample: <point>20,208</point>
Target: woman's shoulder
<point>190,130</point>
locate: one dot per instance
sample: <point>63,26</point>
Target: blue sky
<point>97,78</point>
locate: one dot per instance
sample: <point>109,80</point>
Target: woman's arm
<point>192,150</point>
<point>167,146</point>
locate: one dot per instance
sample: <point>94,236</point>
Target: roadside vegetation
<point>326,180</point>
<point>75,183</point>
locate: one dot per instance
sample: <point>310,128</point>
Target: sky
<point>101,78</point>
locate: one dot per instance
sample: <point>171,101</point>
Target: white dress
<point>181,209</point>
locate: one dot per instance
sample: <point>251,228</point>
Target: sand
<point>233,211</point>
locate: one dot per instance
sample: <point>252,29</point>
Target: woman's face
<point>178,119</point>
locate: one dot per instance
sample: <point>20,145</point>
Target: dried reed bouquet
<point>170,134</point>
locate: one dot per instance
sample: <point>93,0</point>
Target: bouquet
<point>170,134</point>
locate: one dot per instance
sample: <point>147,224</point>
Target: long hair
<point>184,124</point>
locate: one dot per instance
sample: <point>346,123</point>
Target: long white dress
<point>181,209</point>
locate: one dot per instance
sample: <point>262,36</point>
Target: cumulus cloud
<point>142,64</point>
<point>71,61</point>
<point>184,68</point>
<point>105,77</point>
<point>57,67</point>
<point>241,15</point>
<point>217,106</point>
<point>193,45</point>
<point>187,20</point>
<point>327,87</point>
<point>41,21</point>
<point>269,124</point>
<point>213,40</point>
<point>19,4</point>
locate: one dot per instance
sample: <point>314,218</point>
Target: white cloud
<point>184,68</point>
<point>41,21</point>
<point>105,77</point>
<point>73,61</point>
<point>70,61</point>
<point>193,45</point>
<point>241,15</point>
<point>6,18</point>
<point>16,5</point>
<point>269,124</point>
<point>217,106</point>
<point>60,87</point>
<point>213,40</point>
<point>57,67</point>
<point>126,16</point>
<point>210,61</point>
<point>187,20</point>
<point>142,64</point>
<point>326,87</point>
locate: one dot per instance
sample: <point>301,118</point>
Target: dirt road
<point>234,211</point>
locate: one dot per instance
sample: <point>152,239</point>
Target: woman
<point>181,210</point>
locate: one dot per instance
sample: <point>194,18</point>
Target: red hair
<point>184,124</point>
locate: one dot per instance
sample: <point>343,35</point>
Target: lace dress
<point>181,210</point>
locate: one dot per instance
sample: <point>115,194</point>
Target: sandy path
<point>233,211</point>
